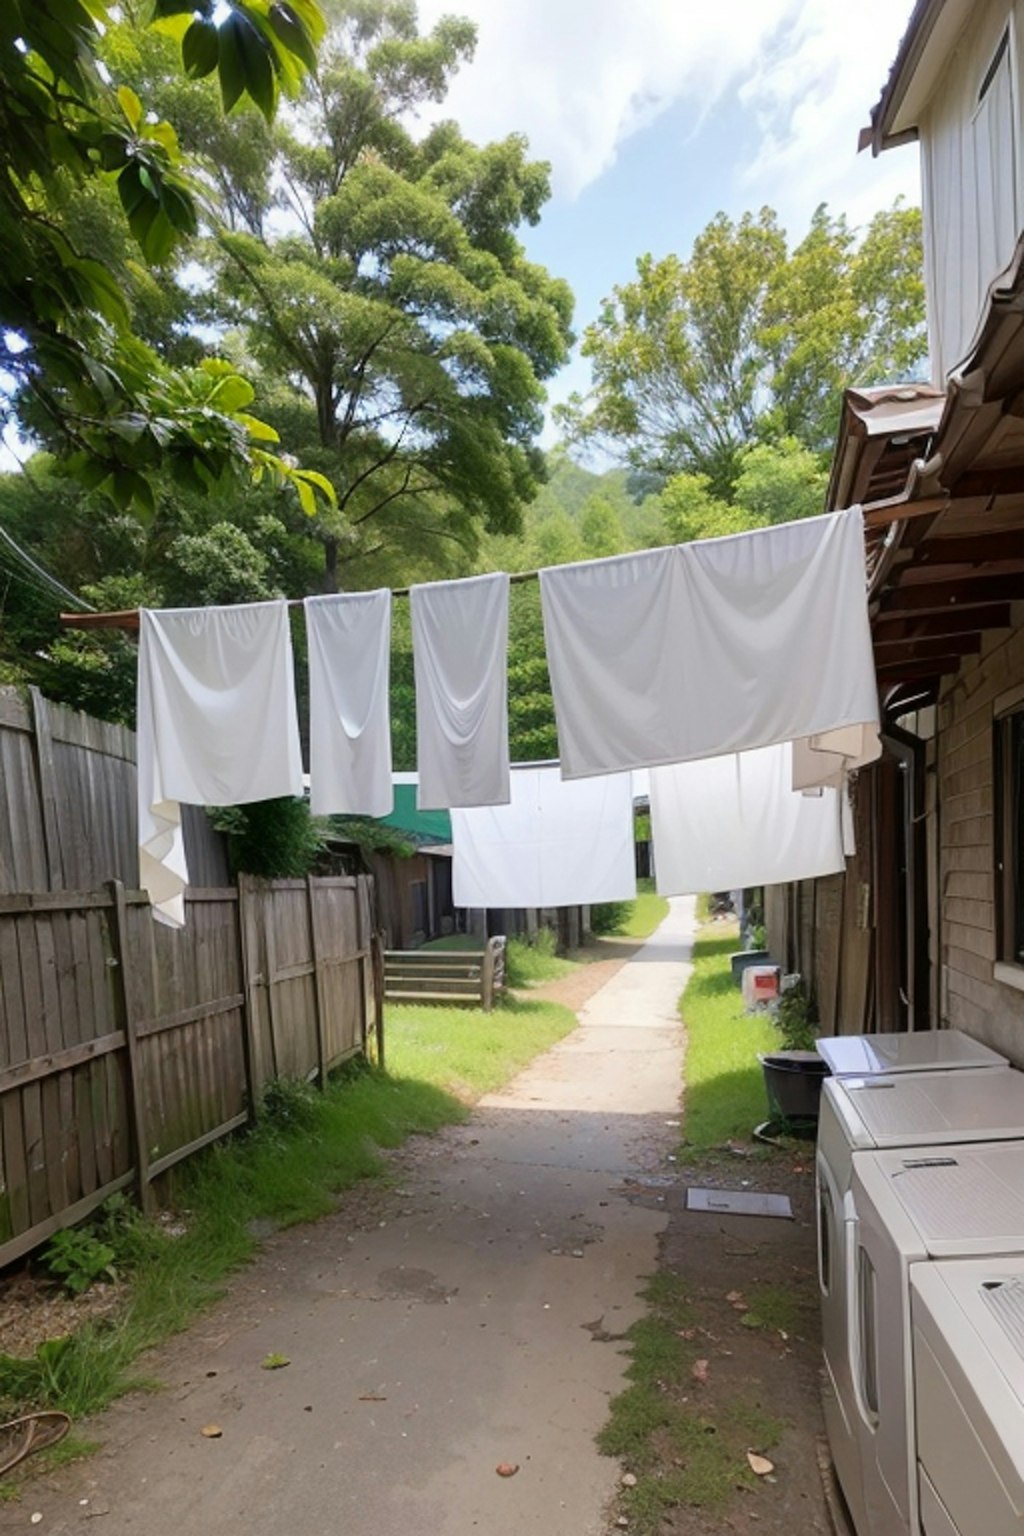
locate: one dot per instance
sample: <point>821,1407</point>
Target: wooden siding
<point>970,997</point>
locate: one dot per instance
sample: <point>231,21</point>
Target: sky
<point>656,114</point>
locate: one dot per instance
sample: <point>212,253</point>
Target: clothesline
<point>877,514</point>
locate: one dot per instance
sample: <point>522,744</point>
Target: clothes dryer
<point>967,1318</point>
<point>926,1050</point>
<point>912,1207</point>
<point>864,1114</point>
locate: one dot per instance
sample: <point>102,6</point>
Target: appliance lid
<point>908,1109</point>
<point>960,1199</point>
<point>932,1050</point>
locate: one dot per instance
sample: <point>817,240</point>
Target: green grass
<point>775,1309</point>
<point>290,1168</point>
<point>649,910</point>
<point>683,1448</point>
<point>725,1096</point>
<point>457,941</point>
<point>466,1052</point>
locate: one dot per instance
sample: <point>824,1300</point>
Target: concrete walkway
<point>468,1326</point>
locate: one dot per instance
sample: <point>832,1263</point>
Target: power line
<point>50,583</point>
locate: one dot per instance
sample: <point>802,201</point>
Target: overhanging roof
<point>945,555</point>
<point>931,35</point>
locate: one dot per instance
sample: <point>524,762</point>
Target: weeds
<point>682,1450</point>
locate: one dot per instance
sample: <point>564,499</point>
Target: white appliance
<point>967,1318</point>
<point>861,1115</point>
<point>912,1207</point>
<point>926,1050</point>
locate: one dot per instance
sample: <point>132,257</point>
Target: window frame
<point>1008,825</point>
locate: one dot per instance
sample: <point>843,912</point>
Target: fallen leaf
<point>760,1465</point>
<point>686,1333</point>
<point>211,1431</point>
<point>628,1480</point>
<point>734,1296</point>
<point>36,1518</point>
<point>275,1363</point>
<point>700,1371</point>
<point>507,1468</point>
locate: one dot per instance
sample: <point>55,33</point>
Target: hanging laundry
<point>558,843</point>
<point>723,823</point>
<point>349,709</point>
<point>460,657</point>
<point>217,725</point>
<point>717,646</point>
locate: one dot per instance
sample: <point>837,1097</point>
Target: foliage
<point>794,1019</point>
<point>274,839</point>
<point>79,1258</point>
<point>609,916</point>
<point>372,836</point>
<point>775,483</point>
<point>724,1093</point>
<point>750,341</point>
<point>529,962</point>
<point>79,373</point>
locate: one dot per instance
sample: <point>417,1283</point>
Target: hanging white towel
<point>558,843</point>
<point>717,646</point>
<point>722,823</point>
<point>460,658</point>
<point>217,725</point>
<point>349,724</point>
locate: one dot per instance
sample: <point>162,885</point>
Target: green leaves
<point>200,49</point>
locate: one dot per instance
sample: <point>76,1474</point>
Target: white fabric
<point>460,659</point>
<point>723,823</point>
<point>717,646</point>
<point>349,715</point>
<point>217,725</point>
<point>556,844</point>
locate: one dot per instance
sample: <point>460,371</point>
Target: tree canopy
<point>75,371</point>
<point>749,341</point>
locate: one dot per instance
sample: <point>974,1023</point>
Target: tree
<point>775,483</point>
<point>748,341</point>
<point>75,370</point>
<point>402,332</point>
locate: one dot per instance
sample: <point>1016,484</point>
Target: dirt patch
<point>598,963</point>
<point>746,1377</point>
<point>33,1309</point>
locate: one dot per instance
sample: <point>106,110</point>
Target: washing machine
<point>865,1114</point>
<point>912,1207</point>
<point>967,1321</point>
<point>924,1050</point>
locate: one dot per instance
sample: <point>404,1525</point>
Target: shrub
<point>78,1258</point>
<point>274,839</point>
<point>609,916</point>
<point>795,1021</point>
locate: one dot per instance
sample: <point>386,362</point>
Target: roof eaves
<point>878,135</point>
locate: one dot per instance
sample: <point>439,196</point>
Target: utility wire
<point>50,582</point>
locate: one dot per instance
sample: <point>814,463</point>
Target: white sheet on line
<point>722,823</point>
<point>557,843</point>
<point>349,637</point>
<point>717,646</point>
<point>217,725</point>
<point>460,659</point>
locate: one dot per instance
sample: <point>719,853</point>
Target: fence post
<point>377,967</point>
<point>132,1013</point>
<point>249,992</point>
<point>319,1005</point>
<point>47,788</point>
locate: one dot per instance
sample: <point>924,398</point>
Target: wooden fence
<point>126,1046</point>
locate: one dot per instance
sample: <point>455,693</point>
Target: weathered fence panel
<point>125,1045</point>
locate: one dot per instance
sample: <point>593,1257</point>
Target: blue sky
<point>655,114</point>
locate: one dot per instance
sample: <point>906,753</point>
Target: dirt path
<point>463,1325</point>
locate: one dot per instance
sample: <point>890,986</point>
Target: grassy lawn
<point>725,1095</point>
<point>306,1148</point>
<point>468,1053</point>
<point>648,911</point>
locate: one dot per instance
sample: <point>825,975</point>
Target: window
<point>1009,829</point>
<point>867,1312</point>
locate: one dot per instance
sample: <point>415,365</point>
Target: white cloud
<point>579,77</point>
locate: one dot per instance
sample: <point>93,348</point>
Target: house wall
<point>970,996</point>
<point>971,170</point>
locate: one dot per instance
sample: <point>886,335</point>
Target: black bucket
<point>792,1081</point>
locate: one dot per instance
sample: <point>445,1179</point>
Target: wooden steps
<point>445,975</point>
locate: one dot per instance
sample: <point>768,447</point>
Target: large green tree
<point>401,336</point>
<point>749,340</point>
<point>73,368</point>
